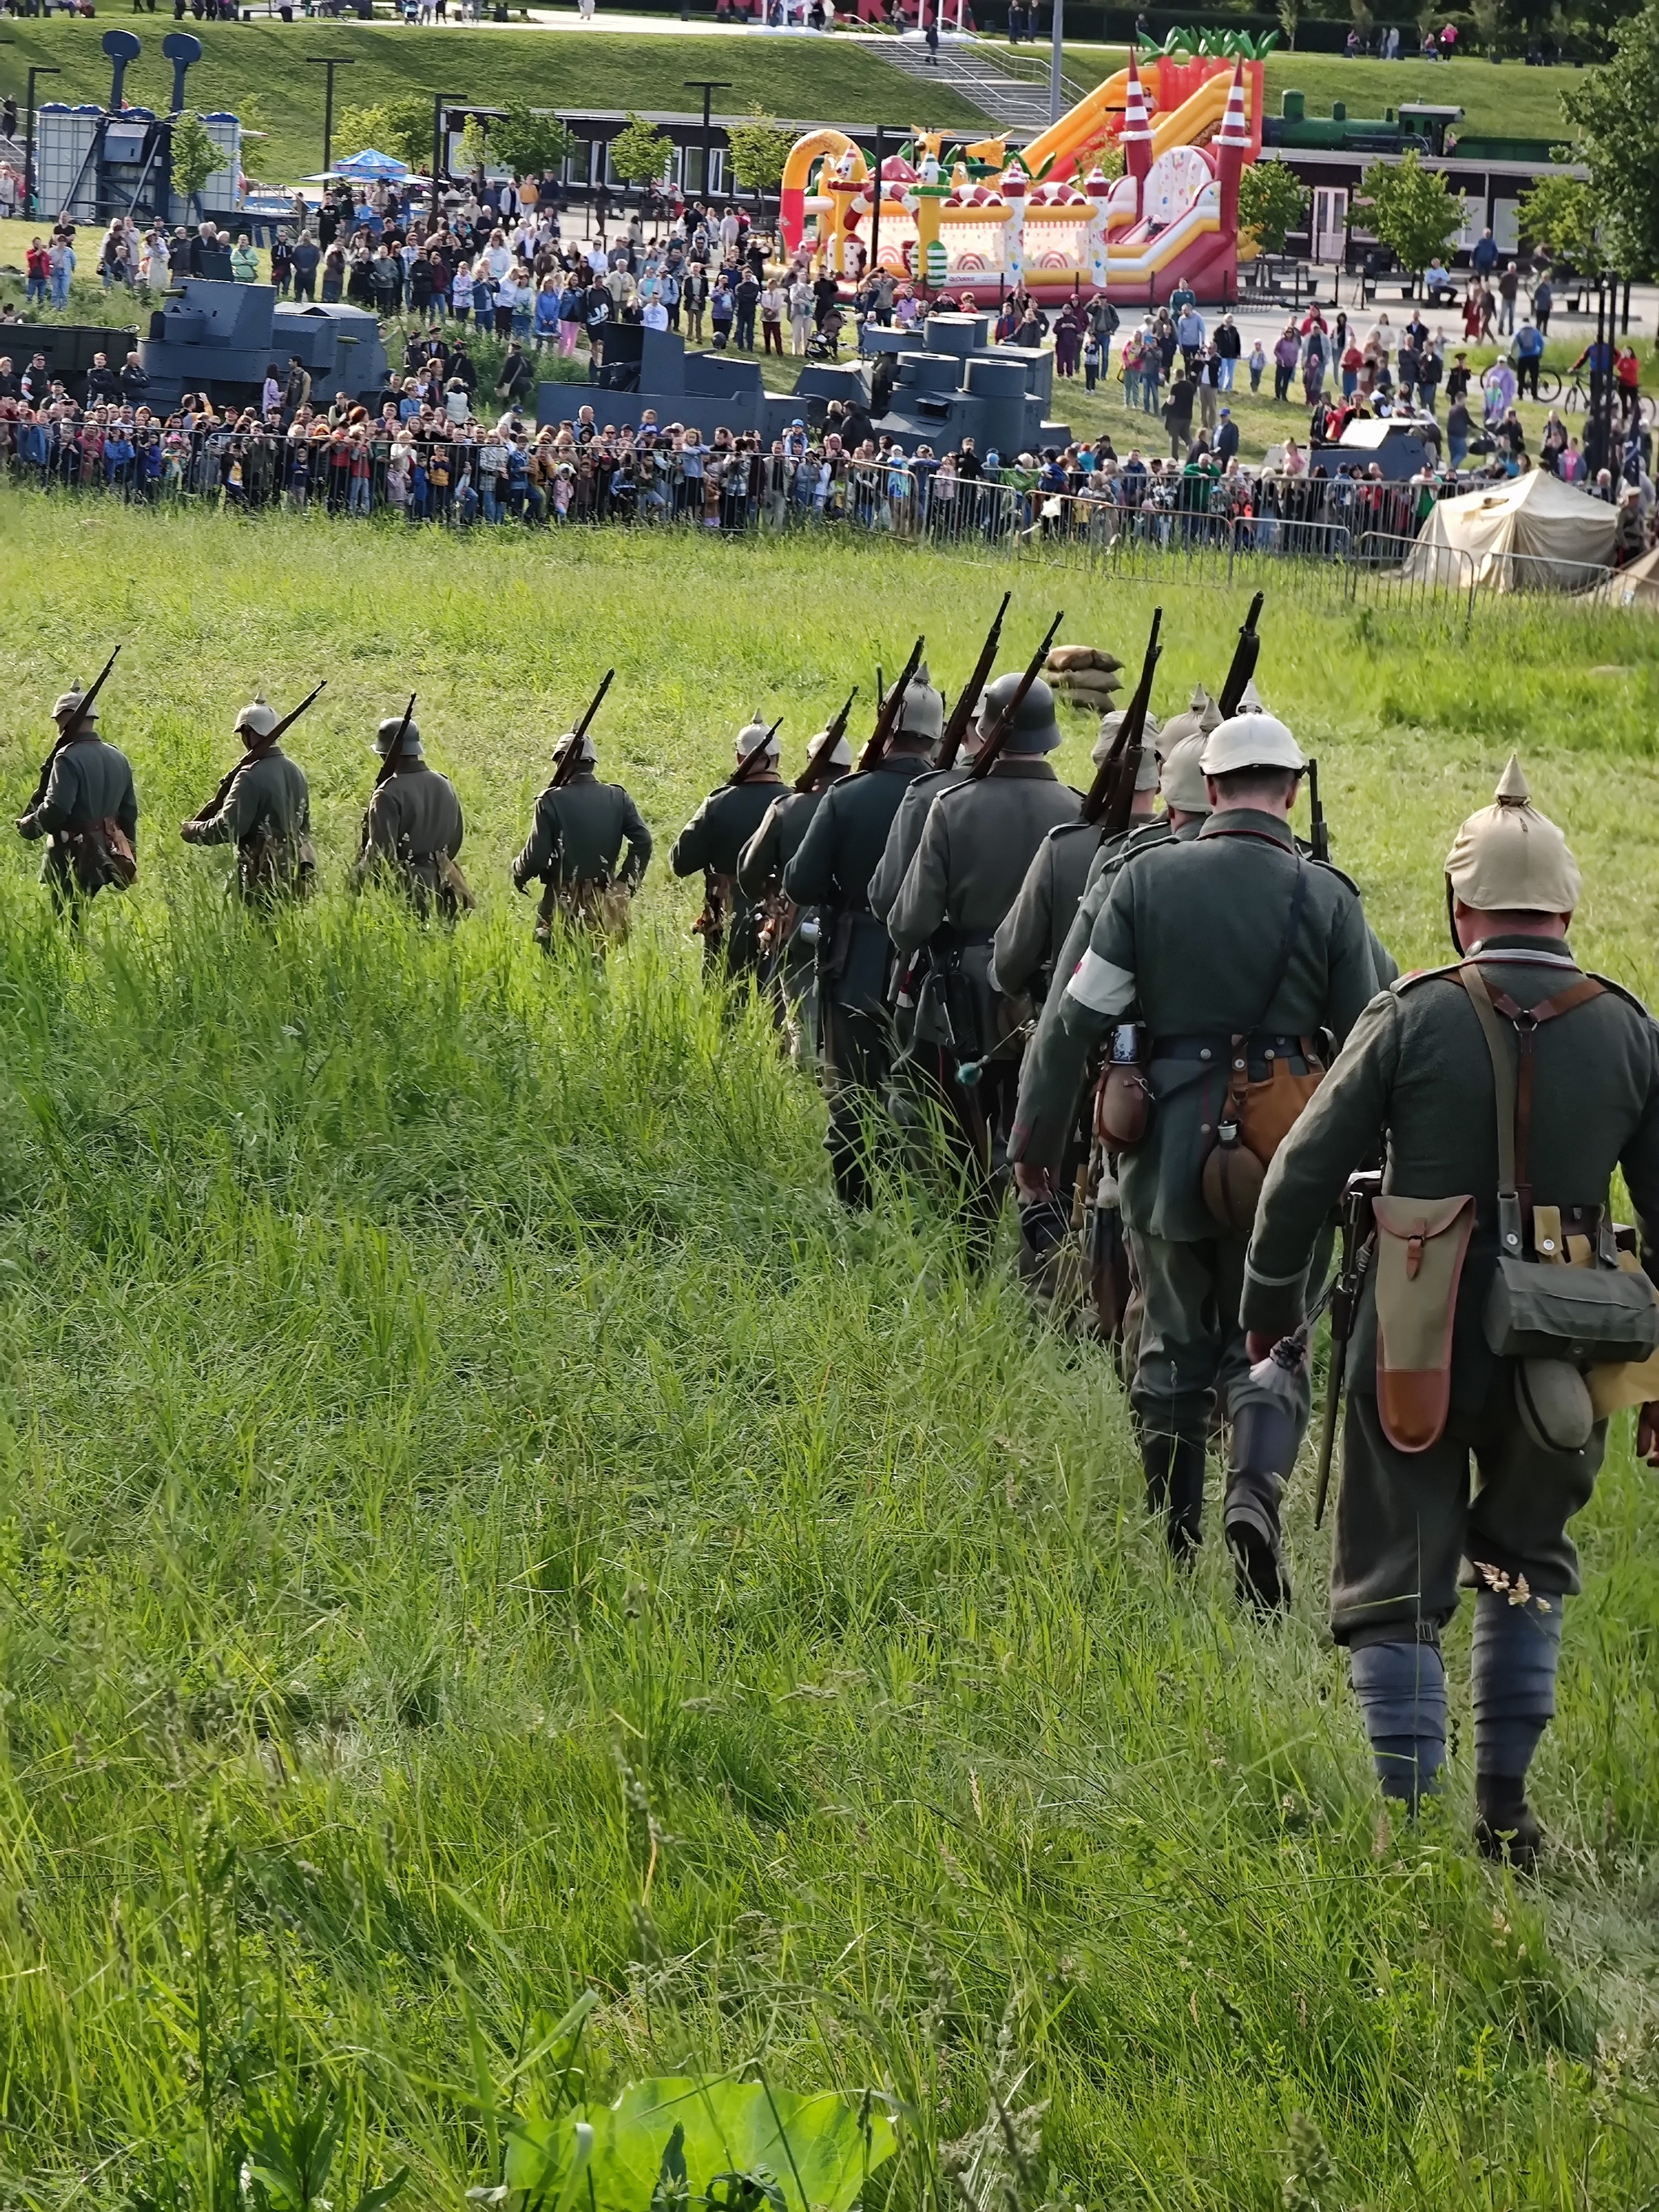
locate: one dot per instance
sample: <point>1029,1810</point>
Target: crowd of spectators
<point>480,293</point>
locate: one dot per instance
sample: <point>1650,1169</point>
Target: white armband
<point>1096,984</point>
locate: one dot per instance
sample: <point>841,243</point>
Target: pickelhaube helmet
<point>256,717</point>
<point>1510,856</point>
<point>564,744</point>
<point>1197,719</point>
<point>65,706</point>
<point>1146,775</point>
<point>387,734</point>
<point>1250,741</point>
<point>754,733</point>
<point>1182,779</point>
<point>839,755</point>
<point>922,713</point>
<point>1035,730</point>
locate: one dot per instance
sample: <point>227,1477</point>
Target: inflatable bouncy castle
<point>1048,218</point>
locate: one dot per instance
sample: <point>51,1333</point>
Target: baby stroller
<point>824,344</point>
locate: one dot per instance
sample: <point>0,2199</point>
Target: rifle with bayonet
<point>1110,797</point>
<point>1358,1246</point>
<point>968,698</point>
<point>65,737</point>
<point>1002,729</point>
<point>1246,654</point>
<point>257,751</point>
<point>1319,836</point>
<point>819,759</point>
<point>887,714</point>
<point>570,761</point>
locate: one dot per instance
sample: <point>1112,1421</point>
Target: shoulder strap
<point>1512,1086</point>
<point>1282,966</point>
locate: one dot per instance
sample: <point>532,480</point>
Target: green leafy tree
<point>1271,204</point>
<point>196,157</point>
<point>1618,123</point>
<point>1290,17</point>
<point>529,141</point>
<point>639,154</point>
<point>357,129</point>
<point>402,128</point>
<point>1560,212</point>
<point>1488,18</point>
<point>1413,212</point>
<point>759,149</point>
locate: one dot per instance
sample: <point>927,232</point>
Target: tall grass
<point>479,1525</point>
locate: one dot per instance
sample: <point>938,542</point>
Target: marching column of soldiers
<point>1173,1032</point>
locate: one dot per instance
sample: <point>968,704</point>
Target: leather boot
<point>1251,1520</point>
<point>1505,1825</point>
<point>1175,1488</point>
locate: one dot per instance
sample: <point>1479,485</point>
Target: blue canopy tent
<point>368,165</point>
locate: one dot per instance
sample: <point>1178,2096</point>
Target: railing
<point>1328,538</point>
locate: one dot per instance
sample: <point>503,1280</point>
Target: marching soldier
<point>1215,963</point>
<point>575,849</point>
<point>88,811</point>
<point>414,828</point>
<point>1502,1091</point>
<point>976,843</point>
<point>789,932</point>
<point>263,809</point>
<point>1034,928</point>
<point>905,834</point>
<point>712,841</point>
<point>831,871</point>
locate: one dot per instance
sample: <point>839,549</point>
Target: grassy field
<point>1504,100</point>
<point>480,1526</point>
<point>793,77</point>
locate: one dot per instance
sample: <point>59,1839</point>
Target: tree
<point>759,149</point>
<point>639,154</point>
<point>1289,15</point>
<point>529,141</point>
<point>402,128</point>
<point>1413,211</point>
<point>1560,212</point>
<point>1618,139</point>
<point>195,158</point>
<point>1271,204</point>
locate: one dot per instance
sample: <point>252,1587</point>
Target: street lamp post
<point>40,70</point>
<point>708,86</point>
<point>330,62</point>
<point>1056,65</point>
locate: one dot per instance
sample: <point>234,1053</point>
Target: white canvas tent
<point>1638,585</point>
<point>1534,531</point>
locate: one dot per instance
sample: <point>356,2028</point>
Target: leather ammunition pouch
<point>596,904</point>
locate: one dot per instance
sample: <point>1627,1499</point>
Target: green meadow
<point>481,1534</point>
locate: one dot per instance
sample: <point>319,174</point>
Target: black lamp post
<point>330,62</point>
<point>708,86</point>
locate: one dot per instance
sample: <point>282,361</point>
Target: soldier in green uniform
<point>414,828</point>
<point>923,788</point>
<point>1515,1048</point>
<point>713,841</point>
<point>789,933</point>
<point>831,871</point>
<point>977,842</point>
<point>575,849</point>
<point>1235,952</point>
<point>265,813</point>
<point>1035,929</point>
<point>88,811</point>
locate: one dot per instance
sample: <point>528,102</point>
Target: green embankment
<point>560,70</point>
<point>479,1526</point>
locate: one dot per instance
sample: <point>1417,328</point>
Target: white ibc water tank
<point>63,139</point>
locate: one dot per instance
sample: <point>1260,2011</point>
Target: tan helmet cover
<point>1182,780</point>
<point>1250,741</point>
<point>1198,719</point>
<point>256,717</point>
<point>563,746</point>
<point>839,755</point>
<point>1146,776</point>
<point>1510,857</point>
<point>65,706</point>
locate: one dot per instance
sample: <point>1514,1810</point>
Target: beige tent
<point>1635,587</point>
<point>1532,533</point>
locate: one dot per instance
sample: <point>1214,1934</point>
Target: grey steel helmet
<point>1035,730</point>
<point>753,733</point>
<point>256,719</point>
<point>385,737</point>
